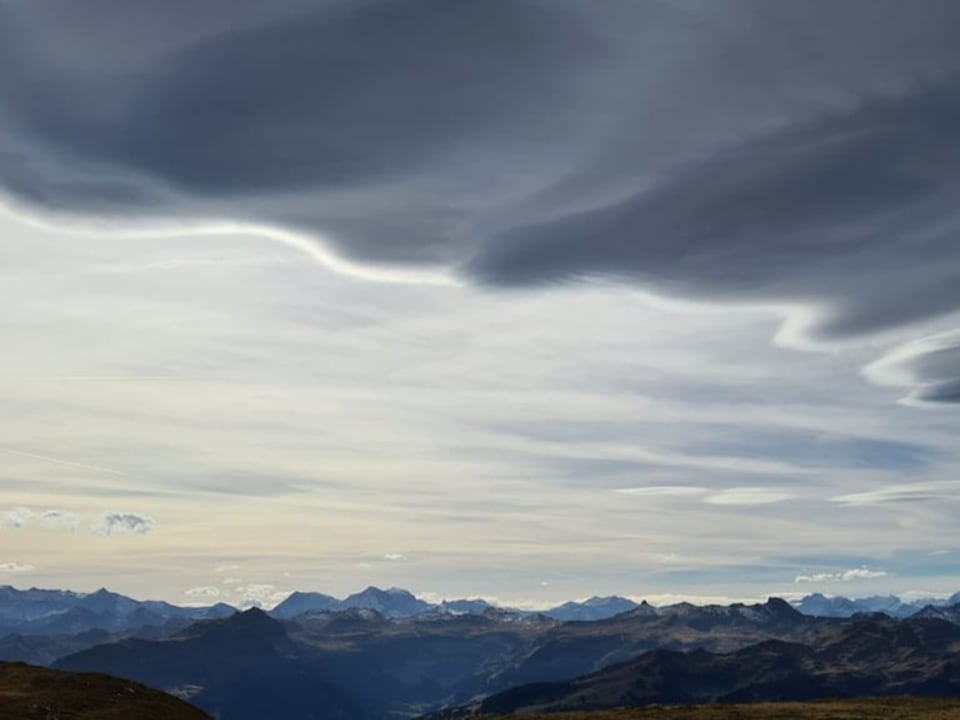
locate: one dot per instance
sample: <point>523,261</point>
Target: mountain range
<point>870,655</point>
<point>382,654</point>
<point>360,665</point>
<point>49,612</point>
<point>839,606</point>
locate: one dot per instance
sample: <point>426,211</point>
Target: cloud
<point>13,567</point>
<point>123,523</point>
<point>934,490</point>
<point>749,496</point>
<point>929,367</point>
<point>663,491</point>
<point>522,142</point>
<point>394,557</point>
<point>205,591</point>
<point>257,595</point>
<point>59,519</point>
<point>19,517</point>
<point>16,517</point>
<point>861,573</point>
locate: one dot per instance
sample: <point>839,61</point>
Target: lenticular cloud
<point>737,151</point>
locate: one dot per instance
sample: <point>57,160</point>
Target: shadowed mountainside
<point>870,656</point>
<point>368,665</point>
<point>32,693</point>
<point>245,666</point>
<point>359,664</point>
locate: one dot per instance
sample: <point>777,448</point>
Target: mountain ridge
<point>873,655</point>
<point>45,611</point>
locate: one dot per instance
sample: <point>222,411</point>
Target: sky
<point>523,299</point>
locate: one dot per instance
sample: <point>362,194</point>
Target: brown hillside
<point>33,693</point>
<point>870,709</point>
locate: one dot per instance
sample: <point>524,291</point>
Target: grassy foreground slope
<point>867,709</point>
<point>33,693</point>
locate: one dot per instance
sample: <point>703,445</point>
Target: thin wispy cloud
<point>663,491</point>
<point>749,496</point>
<point>59,461</point>
<point>935,491</point>
<point>843,576</point>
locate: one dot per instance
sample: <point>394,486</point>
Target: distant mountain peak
<point>821,605</point>
<point>594,608</point>
<point>780,608</point>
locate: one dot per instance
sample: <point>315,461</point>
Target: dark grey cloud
<point>810,213</point>
<point>741,151</point>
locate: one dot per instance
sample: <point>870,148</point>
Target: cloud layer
<point>523,142</point>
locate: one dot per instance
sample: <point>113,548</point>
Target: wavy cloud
<point>929,367</point>
<point>521,142</point>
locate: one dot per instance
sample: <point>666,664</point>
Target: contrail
<point>57,461</point>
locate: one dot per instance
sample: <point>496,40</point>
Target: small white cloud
<point>15,517</point>
<point>13,567</point>
<point>845,576</point>
<point>19,517</point>
<point>749,496</point>
<point>59,519</point>
<point>206,591</point>
<point>394,557</point>
<point>257,595</point>
<point>815,578</point>
<point>123,523</point>
<point>232,581</point>
<point>862,574</point>
<point>226,568</point>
